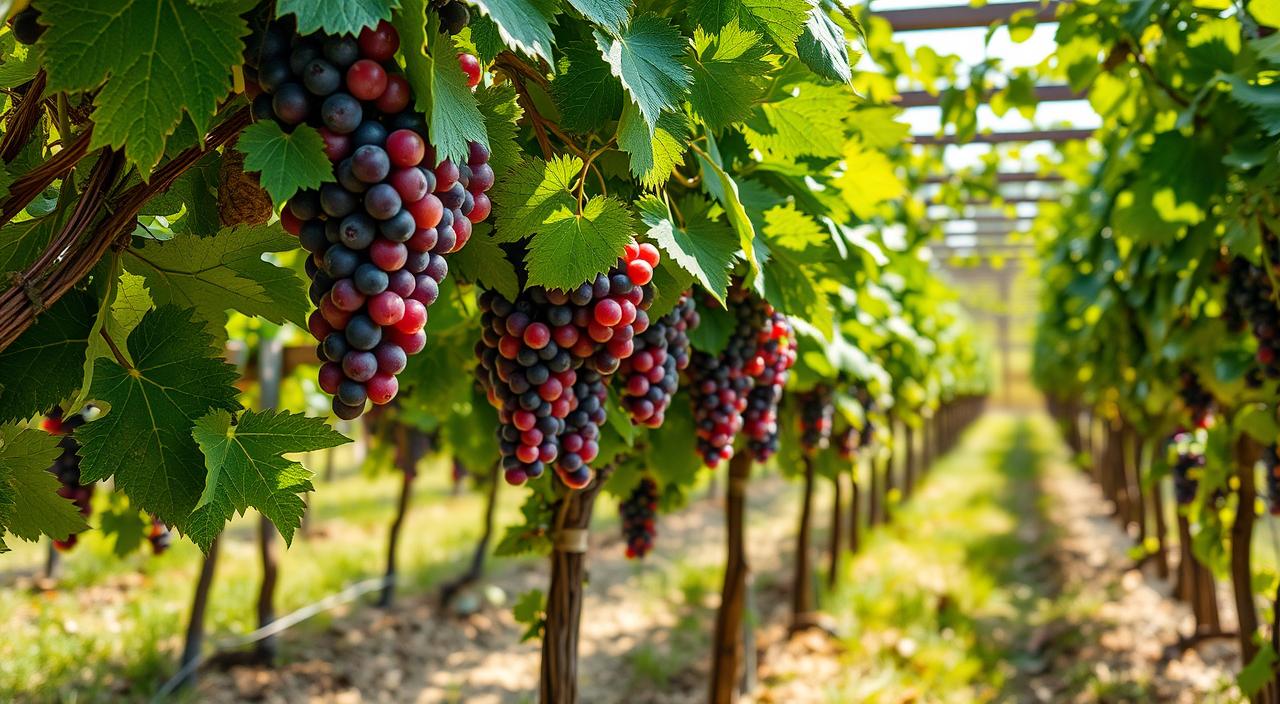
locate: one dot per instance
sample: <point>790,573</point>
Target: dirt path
<point>1076,624</point>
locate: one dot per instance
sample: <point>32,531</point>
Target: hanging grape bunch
<point>67,466</point>
<point>817,413</point>
<point>545,360</point>
<point>159,535</point>
<point>719,386</point>
<point>1196,398</point>
<point>652,374</point>
<point>775,353</point>
<point>639,513</point>
<point>378,235</point>
<point>1187,455</point>
<point>1251,302</point>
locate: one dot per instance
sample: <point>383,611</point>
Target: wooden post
<point>727,658</point>
<point>802,578</point>
<point>559,683</point>
<point>1246,456</point>
<point>837,530</point>
<point>195,624</point>
<point>855,501</point>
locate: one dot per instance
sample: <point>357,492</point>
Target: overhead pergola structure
<point>992,262</point>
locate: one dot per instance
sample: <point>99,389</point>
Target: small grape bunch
<point>607,313</point>
<point>67,467</point>
<point>579,441</point>
<point>639,513</point>
<point>817,413</point>
<point>651,375</point>
<point>775,354</point>
<point>378,234</point>
<point>159,536</point>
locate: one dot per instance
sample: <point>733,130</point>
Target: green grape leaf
<point>482,261</point>
<point>610,14</point>
<point>585,90</point>
<point>501,113</point>
<point>646,58</point>
<point>713,332</point>
<point>20,65</point>
<point>125,525</point>
<point>439,87</point>
<point>154,61</point>
<point>336,16</point>
<point>144,439</point>
<point>1262,100</point>
<point>781,20</point>
<point>725,190</point>
<point>286,162</point>
<point>823,47</point>
<point>247,468</point>
<point>653,154</point>
<point>22,242</point>
<point>524,25</point>
<point>224,272</point>
<point>1259,671</point>
<point>530,193</point>
<point>792,281</point>
<point>195,196</point>
<point>43,366</point>
<point>487,38</point>
<point>669,284</point>
<point>810,123</point>
<point>702,246</point>
<point>29,501</point>
<point>878,129</point>
<point>868,179</point>
<point>729,75</point>
<point>571,248</point>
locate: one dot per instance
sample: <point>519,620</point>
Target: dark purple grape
<point>359,365</point>
<point>273,74</point>
<point>417,262</point>
<point>335,347</point>
<point>382,201</point>
<point>305,205</point>
<point>399,227</point>
<point>369,279</point>
<point>347,177</point>
<point>341,51</point>
<point>452,199</point>
<point>312,237</point>
<point>401,282</point>
<point>340,262</point>
<point>341,113</point>
<point>369,133</point>
<point>290,104</point>
<point>321,77</point>
<point>352,393</point>
<point>370,164</point>
<point>437,268</point>
<point>336,201</point>
<point>262,108</point>
<point>357,231</point>
<point>302,55</point>
<point>363,333</point>
<point>477,154</point>
<point>347,411</point>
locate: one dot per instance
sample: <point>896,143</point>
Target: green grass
<point>113,628</point>
<point>937,604</point>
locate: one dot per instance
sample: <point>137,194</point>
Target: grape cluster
<point>378,234</point>
<point>652,374</point>
<point>545,359</point>
<point>67,467</point>
<point>159,536</point>
<point>775,353</point>
<point>1187,454</point>
<point>817,413</point>
<point>1251,303</point>
<point>1197,399</point>
<point>639,512</point>
<point>26,26</point>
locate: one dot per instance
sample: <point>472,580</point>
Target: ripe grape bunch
<point>546,357</point>
<point>378,234</point>
<point>1197,399</point>
<point>775,353</point>
<point>719,385</point>
<point>652,374</point>
<point>639,512</point>
<point>1251,301</point>
<point>1187,455</point>
<point>817,413</point>
<point>67,467</point>
<point>159,536</point>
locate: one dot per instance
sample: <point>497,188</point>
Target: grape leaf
<point>610,14</point>
<point>247,468</point>
<point>1262,100</point>
<point>702,246</point>
<point>482,261</point>
<point>646,57</point>
<point>523,24</point>
<point>144,439</point>
<point>530,193</point>
<point>725,190</point>
<point>43,366</point>
<point>440,89</point>
<point>781,20</point>
<point>868,179</point>
<point>22,242</point>
<point>823,48</point>
<point>713,332</point>
<point>729,72</point>
<point>214,274</point>
<point>571,248</point>
<point>21,63</point>
<point>336,16</point>
<point>155,62</point>
<point>125,524</point>
<point>286,162</point>
<point>501,113</point>
<point>670,282</point>
<point>29,501</point>
<point>809,123</point>
<point>653,154</point>
<point>586,91</point>
<point>195,196</point>
<point>486,37</point>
